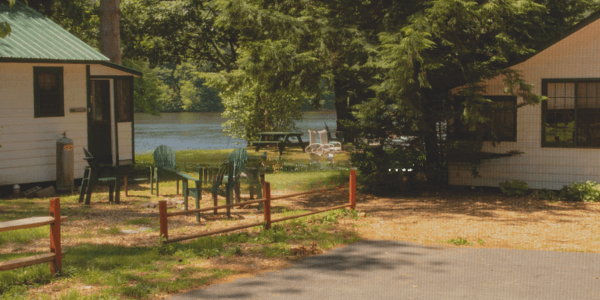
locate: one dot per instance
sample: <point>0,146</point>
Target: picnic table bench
<point>279,138</point>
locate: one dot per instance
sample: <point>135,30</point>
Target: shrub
<point>378,166</point>
<point>515,187</point>
<point>545,194</point>
<point>583,191</point>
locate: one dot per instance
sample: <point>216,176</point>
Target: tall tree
<point>454,43</point>
<point>110,30</point>
<point>178,31</point>
<point>289,46</point>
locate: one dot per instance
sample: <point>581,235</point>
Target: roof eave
<point>109,64</point>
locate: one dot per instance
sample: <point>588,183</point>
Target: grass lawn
<point>113,251</point>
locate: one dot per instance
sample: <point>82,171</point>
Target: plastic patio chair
<point>338,135</point>
<point>327,145</point>
<point>313,146</point>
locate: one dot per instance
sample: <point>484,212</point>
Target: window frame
<point>456,137</point>
<point>575,81</point>
<point>36,93</point>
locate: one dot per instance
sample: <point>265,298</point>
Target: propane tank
<point>65,164</point>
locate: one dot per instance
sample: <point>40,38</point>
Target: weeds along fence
<point>164,215</point>
<point>56,254</point>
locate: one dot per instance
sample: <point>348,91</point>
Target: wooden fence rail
<point>55,244</point>
<point>163,214</point>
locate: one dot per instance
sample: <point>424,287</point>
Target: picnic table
<point>279,138</point>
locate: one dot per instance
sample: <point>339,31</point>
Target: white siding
<point>28,152</point>
<point>577,56</point>
<point>124,129</point>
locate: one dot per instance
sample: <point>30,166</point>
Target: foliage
<point>5,28</point>
<point>583,191</point>
<point>177,31</point>
<point>194,94</point>
<point>459,242</point>
<point>381,170</point>
<point>545,194</point>
<point>149,92</point>
<point>515,187</point>
<point>404,57</point>
<point>248,110</point>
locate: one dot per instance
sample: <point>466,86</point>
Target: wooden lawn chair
<point>231,172</point>
<point>165,169</point>
<point>96,174</point>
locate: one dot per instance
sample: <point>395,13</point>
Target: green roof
<point>36,37</point>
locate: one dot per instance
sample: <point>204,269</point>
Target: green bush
<point>515,187</point>
<point>381,169</point>
<point>583,191</point>
<point>545,194</point>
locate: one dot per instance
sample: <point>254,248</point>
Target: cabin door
<point>99,120</point>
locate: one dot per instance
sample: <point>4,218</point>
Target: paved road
<point>403,270</point>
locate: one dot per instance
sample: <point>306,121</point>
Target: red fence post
<point>55,246</point>
<point>267,205</point>
<point>352,188</point>
<point>162,216</point>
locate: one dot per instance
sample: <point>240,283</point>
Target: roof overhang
<point>109,64</point>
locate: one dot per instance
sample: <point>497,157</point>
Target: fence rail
<point>308,193</point>
<point>163,214</point>
<point>55,243</point>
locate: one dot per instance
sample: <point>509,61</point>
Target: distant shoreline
<point>217,112</point>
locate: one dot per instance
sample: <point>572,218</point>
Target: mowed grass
<point>141,272</point>
<point>120,272</point>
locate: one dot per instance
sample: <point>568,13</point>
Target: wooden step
<point>27,261</point>
<point>28,223</point>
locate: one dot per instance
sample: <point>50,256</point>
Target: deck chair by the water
<point>327,145</point>
<point>313,146</point>
<point>165,169</point>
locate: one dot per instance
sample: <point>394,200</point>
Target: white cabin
<point>50,83</point>
<point>560,137</point>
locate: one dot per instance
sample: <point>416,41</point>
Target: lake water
<point>186,130</point>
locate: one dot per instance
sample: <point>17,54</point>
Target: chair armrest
<point>186,176</point>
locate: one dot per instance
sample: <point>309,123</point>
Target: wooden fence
<point>54,220</point>
<point>164,215</point>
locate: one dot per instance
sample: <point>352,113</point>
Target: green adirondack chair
<point>230,174</point>
<point>165,169</point>
<point>96,174</point>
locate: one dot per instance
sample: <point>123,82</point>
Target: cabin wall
<point>125,143</point>
<point>28,152</point>
<point>577,56</point>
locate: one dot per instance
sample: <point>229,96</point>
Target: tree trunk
<point>434,164</point>
<point>342,109</point>
<point>110,26</point>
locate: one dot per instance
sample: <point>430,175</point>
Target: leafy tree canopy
<point>394,62</point>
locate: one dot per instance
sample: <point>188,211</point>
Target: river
<point>188,130</point>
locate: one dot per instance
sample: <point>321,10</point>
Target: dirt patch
<point>485,219</point>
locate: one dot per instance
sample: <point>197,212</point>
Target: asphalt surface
<point>403,270</point>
